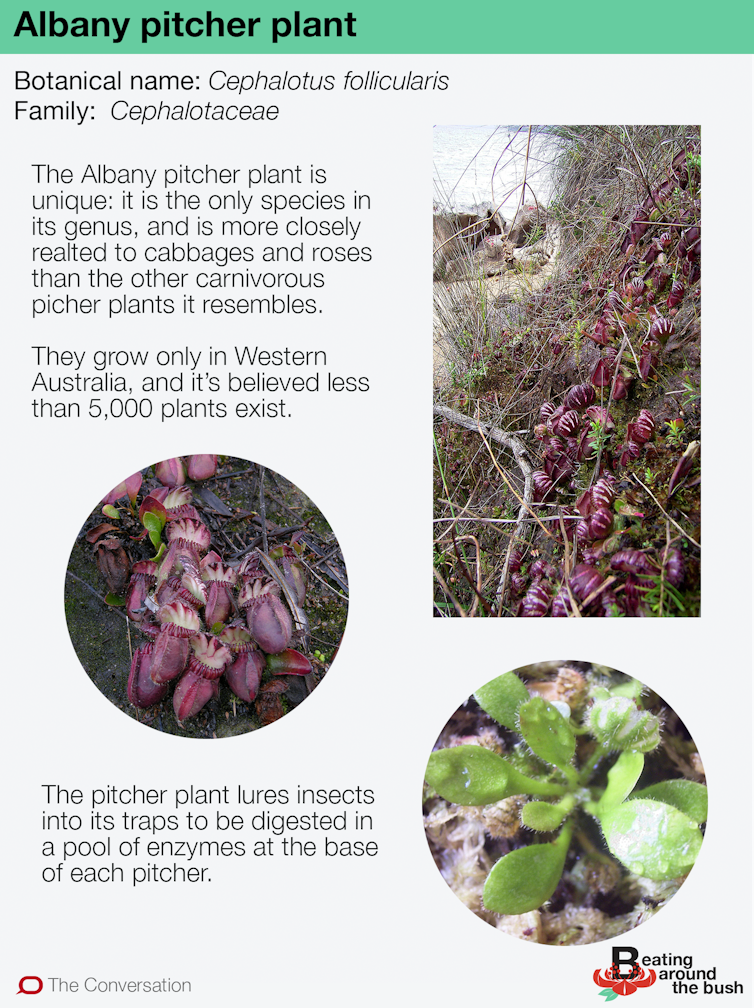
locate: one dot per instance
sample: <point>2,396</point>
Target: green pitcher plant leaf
<point>542,816</point>
<point>547,732</point>
<point>152,505</point>
<point>652,839</point>
<point>526,878</point>
<point>685,795</point>
<point>621,780</point>
<point>154,525</point>
<point>501,699</point>
<point>472,775</point>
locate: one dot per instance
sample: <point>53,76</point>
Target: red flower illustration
<point>611,978</point>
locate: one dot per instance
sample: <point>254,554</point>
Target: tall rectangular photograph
<point>567,371</point>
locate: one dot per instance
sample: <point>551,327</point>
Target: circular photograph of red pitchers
<point>206,596</point>
<point>565,803</point>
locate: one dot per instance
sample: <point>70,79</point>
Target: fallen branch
<point>96,594</point>
<point>519,452</point>
<point>467,576</point>
<point>502,437</point>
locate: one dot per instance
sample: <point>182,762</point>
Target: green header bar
<point>390,26</point>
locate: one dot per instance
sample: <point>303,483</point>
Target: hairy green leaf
<point>526,878</point>
<point>547,732</point>
<point>619,723</point>
<point>631,689</point>
<point>621,778</point>
<point>468,775</point>
<point>542,816</point>
<point>471,775</point>
<point>652,839</point>
<point>502,697</point>
<point>685,795</point>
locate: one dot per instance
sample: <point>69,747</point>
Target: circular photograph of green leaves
<point>565,803</point>
<point>206,596</point>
